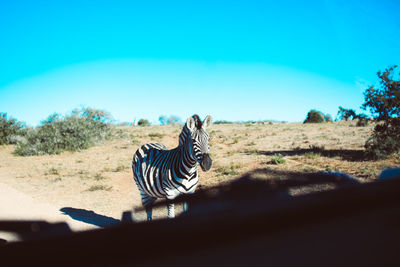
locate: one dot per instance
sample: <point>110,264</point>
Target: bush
<point>362,120</point>
<point>277,159</point>
<point>384,141</point>
<point>81,130</point>
<point>314,116</point>
<point>143,122</point>
<point>328,118</point>
<point>10,129</point>
<point>384,105</point>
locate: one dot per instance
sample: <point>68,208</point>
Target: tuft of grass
<point>134,141</point>
<point>222,138</point>
<point>52,171</point>
<point>253,151</point>
<point>309,169</point>
<point>106,169</point>
<point>235,141</point>
<point>277,159</point>
<point>83,174</point>
<point>317,149</point>
<point>98,177</point>
<point>119,168</point>
<point>230,170</point>
<point>156,135</point>
<point>119,134</point>
<point>251,144</point>
<point>312,155</point>
<point>58,179</point>
<point>98,188</point>
<point>230,153</point>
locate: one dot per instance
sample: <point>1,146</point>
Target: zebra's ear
<point>207,122</point>
<point>191,124</point>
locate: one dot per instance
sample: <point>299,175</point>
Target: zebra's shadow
<point>90,217</point>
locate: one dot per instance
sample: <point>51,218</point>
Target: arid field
<point>100,179</point>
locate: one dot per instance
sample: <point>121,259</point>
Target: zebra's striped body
<point>162,173</point>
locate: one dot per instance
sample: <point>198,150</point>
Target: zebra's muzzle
<point>206,163</point>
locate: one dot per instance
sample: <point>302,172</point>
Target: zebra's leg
<point>171,210</point>
<point>147,202</point>
<point>185,206</point>
<point>149,212</point>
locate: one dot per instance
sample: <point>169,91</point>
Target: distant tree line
<point>86,127</point>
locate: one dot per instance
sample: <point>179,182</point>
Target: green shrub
<point>10,129</point>
<point>143,122</point>
<point>80,130</point>
<point>277,159</point>
<point>384,141</point>
<point>314,116</point>
<point>362,120</point>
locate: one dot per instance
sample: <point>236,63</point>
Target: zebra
<point>162,173</point>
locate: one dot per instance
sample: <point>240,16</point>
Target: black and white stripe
<point>162,173</point>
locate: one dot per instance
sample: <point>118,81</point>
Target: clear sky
<point>235,60</point>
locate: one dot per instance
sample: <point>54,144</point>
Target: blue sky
<point>236,60</point>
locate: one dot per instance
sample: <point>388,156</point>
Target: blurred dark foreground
<point>248,222</point>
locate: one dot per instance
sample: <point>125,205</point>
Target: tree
<point>94,114</point>
<point>171,120</point>
<point>346,114</point>
<point>163,120</point>
<point>314,116</point>
<point>383,102</point>
<point>143,122</point>
<point>9,129</point>
<point>174,120</point>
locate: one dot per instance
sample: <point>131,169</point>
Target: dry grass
<point>72,179</point>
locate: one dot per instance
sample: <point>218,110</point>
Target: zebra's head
<point>200,140</point>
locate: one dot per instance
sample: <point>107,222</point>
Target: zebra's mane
<point>186,131</point>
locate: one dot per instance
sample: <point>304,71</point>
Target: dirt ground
<point>98,182</point>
